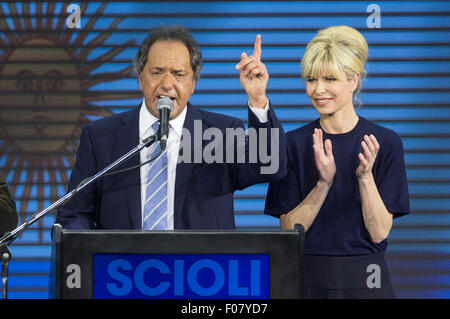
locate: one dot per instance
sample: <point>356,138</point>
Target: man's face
<point>167,72</point>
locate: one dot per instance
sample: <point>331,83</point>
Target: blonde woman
<point>346,176</point>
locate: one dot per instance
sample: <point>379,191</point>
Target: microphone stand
<point>5,253</point>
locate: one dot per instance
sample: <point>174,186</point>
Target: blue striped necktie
<point>155,207</point>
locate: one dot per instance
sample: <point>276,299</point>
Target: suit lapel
<point>184,170</point>
<point>128,138</point>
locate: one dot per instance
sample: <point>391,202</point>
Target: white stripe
<point>155,161</point>
<point>156,175</point>
<point>157,222</point>
<point>151,212</point>
<point>154,193</point>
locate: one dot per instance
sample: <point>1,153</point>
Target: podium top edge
<point>202,232</point>
<point>58,232</point>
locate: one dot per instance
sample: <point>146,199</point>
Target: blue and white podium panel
<point>181,276</point>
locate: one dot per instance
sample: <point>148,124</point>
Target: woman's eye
<point>310,80</point>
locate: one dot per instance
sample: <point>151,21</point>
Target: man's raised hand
<point>254,76</point>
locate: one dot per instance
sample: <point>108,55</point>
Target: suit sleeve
<point>256,157</point>
<point>265,152</point>
<point>283,195</point>
<point>79,212</point>
<point>8,213</point>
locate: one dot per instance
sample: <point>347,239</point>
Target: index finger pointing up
<point>257,48</point>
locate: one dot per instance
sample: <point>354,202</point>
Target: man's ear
<point>140,81</point>
<point>193,87</point>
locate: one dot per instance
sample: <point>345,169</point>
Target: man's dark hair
<point>170,33</point>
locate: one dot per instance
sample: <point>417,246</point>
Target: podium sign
<point>176,264</point>
<point>181,276</point>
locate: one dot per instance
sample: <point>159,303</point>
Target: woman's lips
<point>323,101</point>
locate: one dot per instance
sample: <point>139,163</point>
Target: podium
<point>106,264</point>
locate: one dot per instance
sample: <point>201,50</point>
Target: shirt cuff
<point>261,114</point>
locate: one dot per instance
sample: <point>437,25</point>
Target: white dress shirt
<point>146,120</point>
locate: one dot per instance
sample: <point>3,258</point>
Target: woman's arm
<point>305,213</point>
<point>377,219</point>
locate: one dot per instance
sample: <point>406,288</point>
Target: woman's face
<point>329,94</point>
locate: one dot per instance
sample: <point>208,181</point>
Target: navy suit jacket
<point>203,192</point>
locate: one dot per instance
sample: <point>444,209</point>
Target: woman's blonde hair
<point>336,49</point>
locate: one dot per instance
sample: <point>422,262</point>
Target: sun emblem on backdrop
<point>46,78</point>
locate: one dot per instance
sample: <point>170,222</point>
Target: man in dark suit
<point>8,213</point>
<point>194,194</point>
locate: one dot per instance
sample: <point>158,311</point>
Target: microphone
<point>164,106</point>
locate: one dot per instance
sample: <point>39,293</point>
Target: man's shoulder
<point>111,121</point>
<point>214,119</point>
